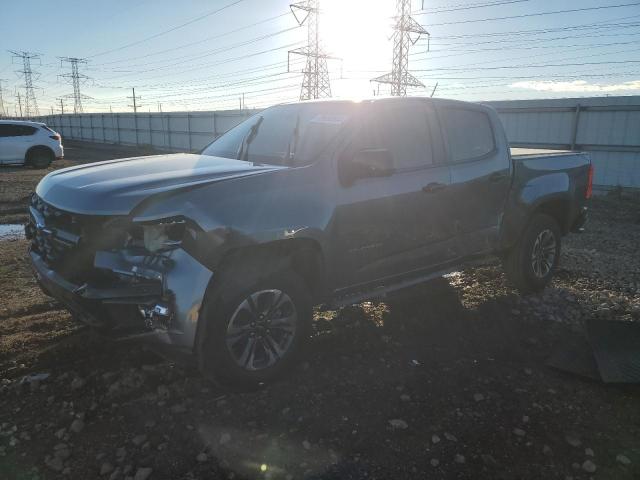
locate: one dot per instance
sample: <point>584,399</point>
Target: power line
<point>315,80</point>
<point>405,25</point>
<point>185,45</point>
<point>172,62</point>
<point>172,29</point>
<point>536,66</point>
<point>465,6</point>
<point>525,15</point>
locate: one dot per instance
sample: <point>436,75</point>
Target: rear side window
<point>402,129</point>
<point>26,130</point>
<point>44,127</point>
<point>9,130</point>
<point>468,132</point>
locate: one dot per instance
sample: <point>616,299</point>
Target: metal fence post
<point>169,130</point>
<point>150,133</point>
<point>189,129</point>
<point>215,127</point>
<point>104,130</point>
<point>135,125</point>
<point>574,134</point>
<point>118,128</point>
<point>91,126</point>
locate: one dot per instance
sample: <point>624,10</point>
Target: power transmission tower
<point>407,32</point>
<point>30,103</point>
<point>75,77</point>
<point>315,83</point>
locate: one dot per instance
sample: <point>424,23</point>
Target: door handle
<point>497,176</point>
<point>433,187</point>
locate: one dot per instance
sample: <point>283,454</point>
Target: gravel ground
<point>447,380</point>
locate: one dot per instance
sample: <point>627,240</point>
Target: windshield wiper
<point>243,150</point>
<point>293,143</point>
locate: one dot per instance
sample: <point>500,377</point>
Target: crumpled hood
<point>117,186</point>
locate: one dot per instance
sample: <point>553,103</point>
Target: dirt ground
<point>16,183</point>
<point>445,381</point>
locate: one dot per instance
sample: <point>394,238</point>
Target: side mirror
<point>370,162</point>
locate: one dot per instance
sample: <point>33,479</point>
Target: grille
<point>67,242</point>
<point>54,234</point>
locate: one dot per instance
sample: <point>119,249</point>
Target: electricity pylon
<point>315,82</point>
<point>30,102</point>
<point>407,33</point>
<point>75,77</point>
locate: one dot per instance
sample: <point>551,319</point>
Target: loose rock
<point>624,460</point>
<point>398,424</point>
<point>143,473</point>
<point>106,468</point>
<point>588,466</point>
<point>77,425</point>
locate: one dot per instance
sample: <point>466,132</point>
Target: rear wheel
<point>255,331</point>
<point>530,264</point>
<point>39,157</point>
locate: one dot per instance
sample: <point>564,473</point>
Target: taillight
<point>589,191</point>
<point>55,137</point>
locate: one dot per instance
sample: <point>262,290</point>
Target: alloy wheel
<point>543,255</point>
<point>261,329</point>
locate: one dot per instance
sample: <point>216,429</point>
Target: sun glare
<point>358,32</point>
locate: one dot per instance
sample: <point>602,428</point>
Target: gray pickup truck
<point>223,254</point>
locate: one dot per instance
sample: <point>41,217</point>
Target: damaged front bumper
<point>157,298</point>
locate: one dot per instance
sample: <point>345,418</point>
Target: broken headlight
<point>157,236</point>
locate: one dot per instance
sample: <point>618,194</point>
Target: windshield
<point>283,135</point>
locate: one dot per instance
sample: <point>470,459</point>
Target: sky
<point>204,55</point>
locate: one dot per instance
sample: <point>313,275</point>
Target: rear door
<point>15,139</point>
<point>388,226</point>
<point>480,163</point>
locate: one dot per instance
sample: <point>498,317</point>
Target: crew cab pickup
<point>223,254</point>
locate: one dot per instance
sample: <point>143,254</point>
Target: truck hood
<point>117,186</point>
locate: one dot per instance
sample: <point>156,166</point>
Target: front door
<point>397,224</point>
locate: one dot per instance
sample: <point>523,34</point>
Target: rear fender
<point>553,190</point>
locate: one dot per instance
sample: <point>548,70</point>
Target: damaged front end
<point>126,278</point>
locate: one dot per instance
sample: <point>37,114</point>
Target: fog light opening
<point>156,315</point>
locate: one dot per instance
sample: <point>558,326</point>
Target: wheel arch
<point>302,255</point>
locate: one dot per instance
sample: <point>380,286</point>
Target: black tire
<point>529,270</point>
<point>39,157</point>
<point>223,305</point>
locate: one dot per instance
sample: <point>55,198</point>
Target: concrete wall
<point>606,127</point>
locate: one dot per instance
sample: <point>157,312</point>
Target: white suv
<point>29,143</point>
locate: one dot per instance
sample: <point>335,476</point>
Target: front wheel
<point>530,264</point>
<point>254,330</point>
